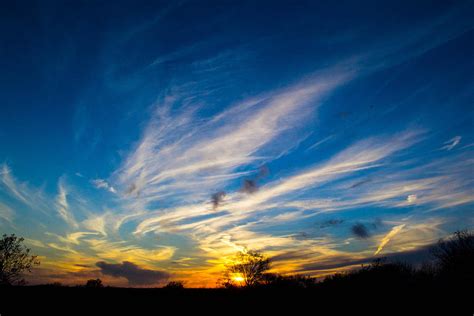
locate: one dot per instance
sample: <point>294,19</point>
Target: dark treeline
<point>443,282</point>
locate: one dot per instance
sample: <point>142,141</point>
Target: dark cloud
<point>217,198</point>
<point>133,273</point>
<point>292,255</point>
<point>82,265</point>
<point>250,185</point>
<point>302,236</point>
<point>360,230</point>
<point>358,184</point>
<point>364,230</point>
<point>331,222</point>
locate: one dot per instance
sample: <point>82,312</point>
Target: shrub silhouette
<point>378,274</point>
<point>174,285</point>
<point>454,257</point>
<point>94,283</point>
<point>15,259</point>
<point>55,285</point>
<point>279,281</point>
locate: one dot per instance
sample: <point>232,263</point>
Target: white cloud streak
<point>395,230</point>
<point>62,206</point>
<point>450,144</point>
<point>360,156</point>
<point>179,154</point>
<point>32,197</point>
<point>6,213</point>
<point>103,184</point>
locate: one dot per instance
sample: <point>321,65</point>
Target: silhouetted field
<point>370,297</point>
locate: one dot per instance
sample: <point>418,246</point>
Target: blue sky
<point>164,137</point>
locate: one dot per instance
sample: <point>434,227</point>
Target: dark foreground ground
<point>381,300</point>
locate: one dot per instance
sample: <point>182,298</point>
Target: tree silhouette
<point>15,259</point>
<point>94,283</point>
<point>248,270</point>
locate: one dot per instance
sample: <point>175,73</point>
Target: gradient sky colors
<point>145,142</point>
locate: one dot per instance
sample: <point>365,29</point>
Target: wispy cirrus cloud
<point>181,154</point>
<point>245,219</point>
<point>361,156</point>
<point>63,206</point>
<point>6,213</point>
<point>435,185</point>
<point>28,195</point>
<point>364,155</point>
<point>450,144</point>
<point>10,183</point>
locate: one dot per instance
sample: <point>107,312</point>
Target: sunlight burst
<point>238,278</point>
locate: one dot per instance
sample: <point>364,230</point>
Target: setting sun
<point>238,278</point>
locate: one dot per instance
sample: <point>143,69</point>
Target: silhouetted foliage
<point>15,259</point>
<point>274,280</point>
<point>455,257</point>
<point>94,283</point>
<point>174,285</point>
<point>248,270</point>
<point>378,274</point>
<point>55,284</point>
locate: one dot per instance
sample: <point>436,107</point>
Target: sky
<point>146,141</point>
